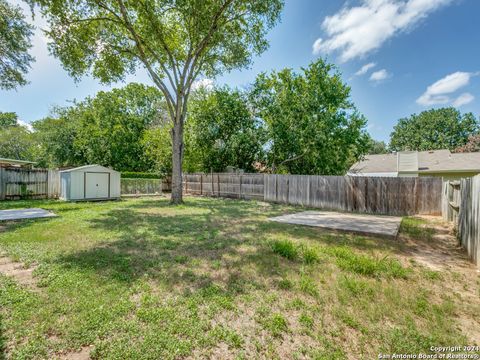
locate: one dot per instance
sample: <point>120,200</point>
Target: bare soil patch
<point>18,271</point>
<point>83,354</point>
<point>441,251</point>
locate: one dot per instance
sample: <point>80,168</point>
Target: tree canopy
<point>107,129</point>
<point>16,141</point>
<point>377,147</point>
<point>8,119</point>
<point>222,131</point>
<point>444,128</point>
<point>15,34</point>
<point>175,41</point>
<point>311,123</point>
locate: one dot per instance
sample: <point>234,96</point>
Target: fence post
<point>276,188</point>
<point>288,189</point>
<point>240,188</point>
<point>2,183</point>
<point>201,184</point>
<point>218,185</point>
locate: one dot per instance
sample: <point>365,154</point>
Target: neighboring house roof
<point>16,162</point>
<point>428,162</point>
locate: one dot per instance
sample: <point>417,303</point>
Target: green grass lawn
<point>213,278</point>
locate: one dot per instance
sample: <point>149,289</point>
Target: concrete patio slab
<point>19,214</point>
<point>363,224</point>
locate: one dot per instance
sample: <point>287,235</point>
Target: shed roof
<point>85,167</point>
<point>428,162</point>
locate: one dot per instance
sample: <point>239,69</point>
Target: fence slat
<point>465,194</point>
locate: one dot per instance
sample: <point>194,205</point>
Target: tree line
<point>286,121</point>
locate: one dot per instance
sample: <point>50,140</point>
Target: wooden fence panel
<point>19,183</point>
<point>389,196</point>
<point>140,186</point>
<point>244,186</point>
<point>468,219</point>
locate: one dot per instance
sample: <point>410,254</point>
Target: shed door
<point>96,185</point>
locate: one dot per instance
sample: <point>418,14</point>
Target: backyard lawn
<point>215,279</point>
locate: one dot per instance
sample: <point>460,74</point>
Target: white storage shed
<point>89,182</point>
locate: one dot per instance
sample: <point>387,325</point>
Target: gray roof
<point>15,161</point>
<point>428,161</point>
<point>87,167</point>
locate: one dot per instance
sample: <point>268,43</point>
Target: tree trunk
<point>177,157</point>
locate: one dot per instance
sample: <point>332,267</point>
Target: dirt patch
<point>18,271</point>
<point>83,354</point>
<point>442,251</point>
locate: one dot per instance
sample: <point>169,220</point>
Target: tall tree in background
<point>377,147</point>
<point>15,34</point>
<point>16,141</point>
<point>176,41</point>
<point>106,129</point>
<point>56,138</point>
<point>222,131</point>
<point>434,129</point>
<point>8,119</point>
<point>312,125</point>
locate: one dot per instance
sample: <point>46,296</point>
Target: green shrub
<point>140,175</point>
<point>285,248</point>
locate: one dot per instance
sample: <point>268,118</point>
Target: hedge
<point>140,175</point>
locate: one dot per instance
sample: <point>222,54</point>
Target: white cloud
<point>203,83</point>
<point>379,75</point>
<point>317,46</point>
<point>358,30</point>
<point>364,69</point>
<point>464,99</point>
<point>27,125</point>
<point>439,92</point>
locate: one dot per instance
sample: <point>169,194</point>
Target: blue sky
<point>416,54</point>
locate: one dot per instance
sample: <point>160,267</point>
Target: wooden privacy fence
<point>18,183</point>
<point>244,186</point>
<point>376,195</point>
<point>461,204</point>
<point>144,186</point>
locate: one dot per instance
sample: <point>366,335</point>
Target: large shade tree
<point>312,125</point>
<point>15,34</point>
<point>176,41</point>
<point>445,128</point>
<point>222,131</point>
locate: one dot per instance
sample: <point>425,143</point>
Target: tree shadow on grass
<point>197,244</point>
<point>182,251</point>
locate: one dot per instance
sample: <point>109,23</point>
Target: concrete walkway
<point>19,214</point>
<point>357,223</point>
